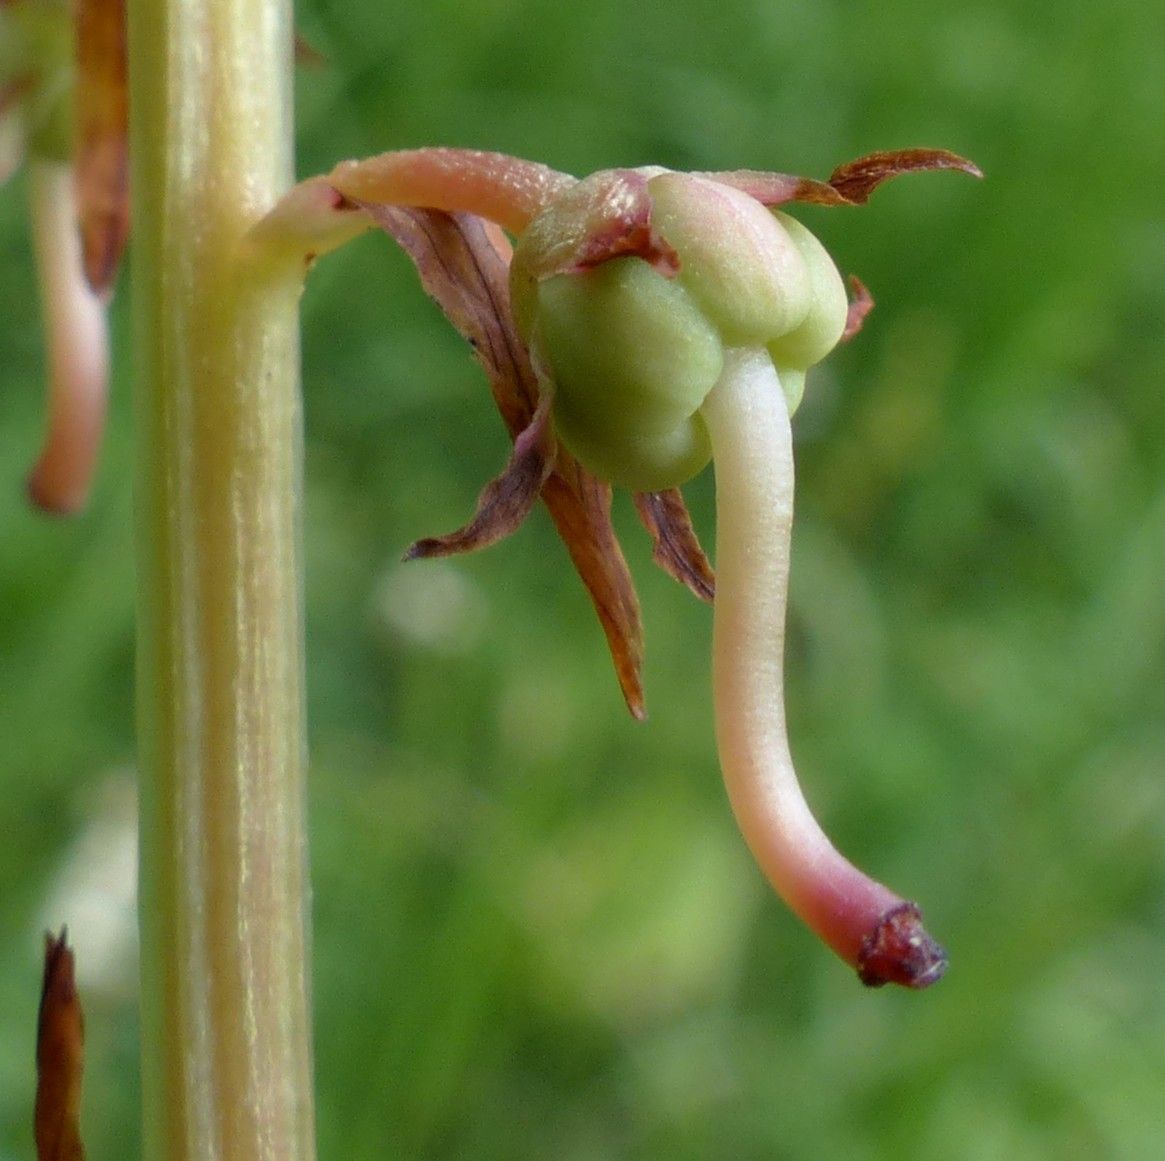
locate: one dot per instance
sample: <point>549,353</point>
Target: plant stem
<point>226,1057</point>
<point>867,924</point>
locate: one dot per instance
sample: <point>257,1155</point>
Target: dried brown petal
<point>505,502</point>
<point>60,1057</point>
<point>102,151</point>
<point>462,268</point>
<point>580,505</point>
<point>677,549</point>
<point>860,306</point>
<point>462,271</point>
<point>856,180</point>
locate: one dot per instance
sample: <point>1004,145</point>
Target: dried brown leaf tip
<point>448,209</point>
<point>506,501</point>
<point>60,1057</point>
<point>856,180</point>
<point>850,184</point>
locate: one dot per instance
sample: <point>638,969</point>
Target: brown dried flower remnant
<point>60,1057</point>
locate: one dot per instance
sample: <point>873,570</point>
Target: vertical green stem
<point>226,1066</point>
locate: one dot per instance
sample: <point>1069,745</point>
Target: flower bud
<point>634,339</point>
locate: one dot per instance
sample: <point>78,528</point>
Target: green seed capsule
<point>747,273</point>
<point>633,358</point>
<point>821,328</point>
<point>633,352</point>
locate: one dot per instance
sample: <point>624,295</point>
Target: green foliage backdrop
<point>537,934</point>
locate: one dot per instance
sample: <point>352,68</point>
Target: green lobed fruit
<point>821,328</point>
<point>633,353</point>
<point>633,357</point>
<point>746,273</point>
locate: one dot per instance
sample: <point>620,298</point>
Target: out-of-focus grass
<point>537,933</point>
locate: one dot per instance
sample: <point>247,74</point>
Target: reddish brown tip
<point>49,502</point>
<point>899,951</point>
<point>60,1057</point>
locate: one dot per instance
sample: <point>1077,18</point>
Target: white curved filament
<point>748,422</point>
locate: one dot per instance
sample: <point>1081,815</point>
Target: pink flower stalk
<point>76,342</point>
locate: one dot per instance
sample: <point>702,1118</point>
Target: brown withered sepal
<point>464,268</point>
<point>676,547</point>
<point>60,1057</point>
<point>860,304</point>
<point>850,184</point>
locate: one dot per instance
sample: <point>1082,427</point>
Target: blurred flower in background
<point>63,110</point>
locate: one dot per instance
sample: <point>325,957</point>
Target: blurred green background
<point>537,932</point>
